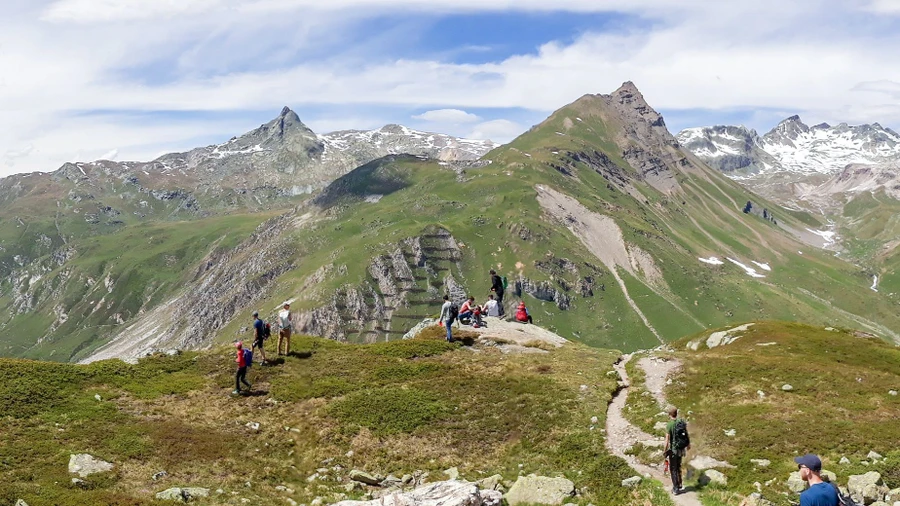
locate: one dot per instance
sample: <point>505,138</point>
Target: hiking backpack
<point>680,438</point>
<point>267,331</point>
<point>248,357</point>
<point>454,311</point>
<point>504,282</point>
<point>844,500</point>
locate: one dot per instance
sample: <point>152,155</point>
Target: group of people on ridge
<point>261,332</point>
<point>471,313</point>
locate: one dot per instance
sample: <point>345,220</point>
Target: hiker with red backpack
<point>244,360</point>
<point>522,315</point>
<point>678,442</point>
<point>261,331</point>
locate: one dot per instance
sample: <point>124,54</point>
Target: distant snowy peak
<point>728,148</point>
<point>793,146</point>
<point>397,139</point>
<point>864,178</point>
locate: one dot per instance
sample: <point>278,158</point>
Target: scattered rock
<point>711,476</point>
<point>787,387</point>
<point>452,473</point>
<point>534,489</point>
<point>761,394</point>
<point>160,475</point>
<point>353,486</point>
<point>702,463</point>
<point>494,482</point>
<point>78,482</point>
<point>892,392</point>
<point>828,476</point>
<point>866,488</point>
<point>84,465</point>
<point>873,455</point>
<point>631,482</point>
<point>97,396</point>
<point>844,460</point>
<point>726,337</point>
<point>761,462</point>
<point>253,426</point>
<point>349,454</point>
<point>443,493</point>
<point>659,426</point>
<point>364,477</point>
<point>893,496</point>
<point>756,500</point>
<point>186,494</point>
<point>595,420</point>
<point>391,481</point>
<point>730,432</point>
<point>21,502</point>
<point>795,483</point>
<point>282,488</point>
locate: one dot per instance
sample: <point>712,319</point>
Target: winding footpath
<point>621,434</point>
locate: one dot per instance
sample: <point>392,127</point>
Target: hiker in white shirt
<point>284,334</point>
<point>492,308</point>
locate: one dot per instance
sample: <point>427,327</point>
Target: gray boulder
<point>867,488</point>
<point>84,465</point>
<point>21,502</point>
<point>442,493</point>
<point>702,463</point>
<point>364,477</point>
<point>795,483</point>
<point>756,500</point>
<point>452,473</point>
<point>533,489</point>
<point>873,455</point>
<point>713,477</point>
<point>186,494</point>
<point>893,496</point>
<point>761,462</point>
<point>631,482</point>
<point>494,482</point>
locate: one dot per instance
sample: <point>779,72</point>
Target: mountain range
<point>610,230</point>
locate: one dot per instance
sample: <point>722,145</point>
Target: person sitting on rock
<point>522,314</point>
<point>819,492</point>
<point>491,308</point>
<point>476,315</point>
<point>467,310</point>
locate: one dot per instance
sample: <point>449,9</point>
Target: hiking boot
<point>236,392</point>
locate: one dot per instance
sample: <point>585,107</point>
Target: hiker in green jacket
<point>678,442</point>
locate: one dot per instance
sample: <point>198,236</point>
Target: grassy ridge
<point>839,406</point>
<point>399,406</point>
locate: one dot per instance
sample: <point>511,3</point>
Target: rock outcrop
<point>85,465</point>
<point>444,493</point>
<point>533,489</point>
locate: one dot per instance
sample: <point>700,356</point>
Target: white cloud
<point>885,6</point>
<point>498,130</point>
<point>109,155</point>
<point>224,55</point>
<point>451,116</point>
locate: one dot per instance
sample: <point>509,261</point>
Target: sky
<point>132,79</point>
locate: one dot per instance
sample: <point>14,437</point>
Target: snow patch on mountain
<point>747,269</point>
<point>712,261</point>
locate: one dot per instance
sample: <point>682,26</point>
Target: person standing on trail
<point>819,492</point>
<point>447,317</point>
<point>678,442</point>
<point>497,289</point>
<point>241,375</point>
<point>284,332</point>
<point>259,336</point>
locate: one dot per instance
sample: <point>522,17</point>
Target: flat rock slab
<point>533,489</point>
<point>85,465</point>
<point>443,493</point>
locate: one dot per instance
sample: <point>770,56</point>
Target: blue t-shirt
<point>259,326</point>
<point>820,494</point>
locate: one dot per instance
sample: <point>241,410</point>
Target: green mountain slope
<point>596,216</point>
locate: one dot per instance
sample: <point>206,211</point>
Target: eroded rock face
<point>444,493</point>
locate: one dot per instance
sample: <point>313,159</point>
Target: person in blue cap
<point>819,492</point>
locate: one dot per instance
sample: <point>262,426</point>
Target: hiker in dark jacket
<point>497,289</point>
<point>678,442</point>
<point>259,337</point>
<point>241,375</point>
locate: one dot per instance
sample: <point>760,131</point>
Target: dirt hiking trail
<point>621,434</point>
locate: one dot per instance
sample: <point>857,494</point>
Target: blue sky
<point>132,79</point>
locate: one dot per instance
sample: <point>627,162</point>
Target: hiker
<point>678,442</point>
<point>467,310</point>
<point>491,308</point>
<point>284,332</point>
<point>819,492</point>
<point>241,376</point>
<point>447,317</point>
<point>259,336</point>
<point>522,314</point>
<point>497,288</point>
<point>476,315</point>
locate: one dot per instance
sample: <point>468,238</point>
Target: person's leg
<point>530,319</point>
<point>237,380</point>
<point>280,340</point>
<point>675,471</point>
<point>243,376</point>
<point>449,325</point>
<point>287,341</point>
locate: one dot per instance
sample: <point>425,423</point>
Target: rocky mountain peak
<point>788,129</point>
